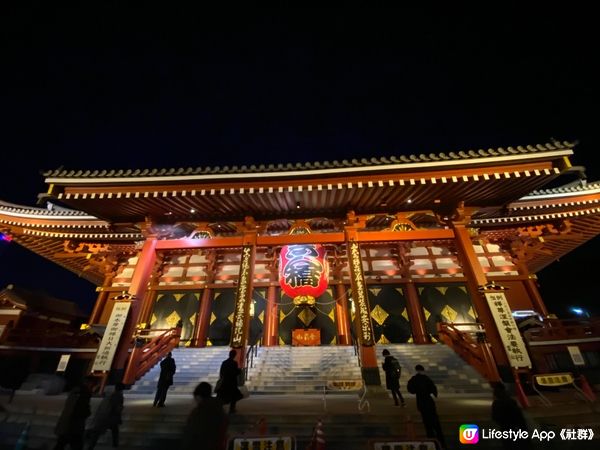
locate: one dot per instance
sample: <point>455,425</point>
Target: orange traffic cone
<point>262,426</point>
<point>318,438</point>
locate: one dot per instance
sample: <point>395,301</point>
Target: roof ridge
<point>312,165</point>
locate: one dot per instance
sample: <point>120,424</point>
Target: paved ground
<point>341,418</point>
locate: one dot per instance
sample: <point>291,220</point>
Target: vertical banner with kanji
<point>243,297</point>
<point>361,295</point>
<point>112,335</point>
<point>508,330</point>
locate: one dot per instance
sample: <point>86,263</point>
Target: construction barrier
<point>262,443</point>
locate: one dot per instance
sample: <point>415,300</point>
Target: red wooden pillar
<point>271,328</point>
<point>341,316</point>
<point>476,279</point>
<point>369,366</point>
<point>101,300</point>
<point>203,320</point>
<point>415,314</point>
<point>534,295</point>
<point>137,290</point>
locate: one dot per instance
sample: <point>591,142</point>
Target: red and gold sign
<point>303,272</point>
<point>310,336</point>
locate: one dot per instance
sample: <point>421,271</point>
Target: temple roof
<point>401,162</point>
<point>101,214</point>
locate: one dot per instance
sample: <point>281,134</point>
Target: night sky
<point>107,87</point>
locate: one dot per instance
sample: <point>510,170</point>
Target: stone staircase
<point>285,385</point>
<point>193,366</point>
<point>449,372</point>
<point>297,370</point>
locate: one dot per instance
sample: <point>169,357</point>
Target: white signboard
<point>508,330</point>
<point>62,364</point>
<point>112,335</point>
<point>576,355</point>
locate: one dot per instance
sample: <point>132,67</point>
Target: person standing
<point>392,370</point>
<point>507,414</point>
<point>229,392</point>
<point>70,427</point>
<point>167,370</point>
<point>206,426</point>
<point>423,387</point>
<point>108,417</point>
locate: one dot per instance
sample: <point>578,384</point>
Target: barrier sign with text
<point>111,337</point>
<point>262,443</point>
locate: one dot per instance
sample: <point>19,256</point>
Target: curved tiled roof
<point>566,189</point>
<point>364,162</point>
<point>56,211</point>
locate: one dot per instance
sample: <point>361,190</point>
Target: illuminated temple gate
<point>411,242</point>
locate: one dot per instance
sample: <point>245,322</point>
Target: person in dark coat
<point>167,370</point>
<point>507,414</point>
<point>228,391</point>
<point>108,417</point>
<point>423,387</point>
<point>70,427</point>
<point>392,370</point>
<point>206,426</point>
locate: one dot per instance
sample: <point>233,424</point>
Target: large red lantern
<point>303,272</point>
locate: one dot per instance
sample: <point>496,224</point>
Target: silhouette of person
<point>228,391</point>
<point>107,417</point>
<point>167,370</point>
<point>507,414</point>
<point>70,427</point>
<point>392,370</point>
<point>206,426</point>
<point>423,387</point>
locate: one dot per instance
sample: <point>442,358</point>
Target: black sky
<point>108,87</point>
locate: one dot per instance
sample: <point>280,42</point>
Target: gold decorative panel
<point>405,314</point>
<point>383,339</point>
<point>306,316</point>
<point>400,290</point>
<point>331,314</point>
<point>442,289</point>
<point>379,314</point>
<point>212,317</point>
<point>172,319</point>
<point>449,313</point>
<point>153,319</point>
<point>472,313</point>
<point>427,314</point>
